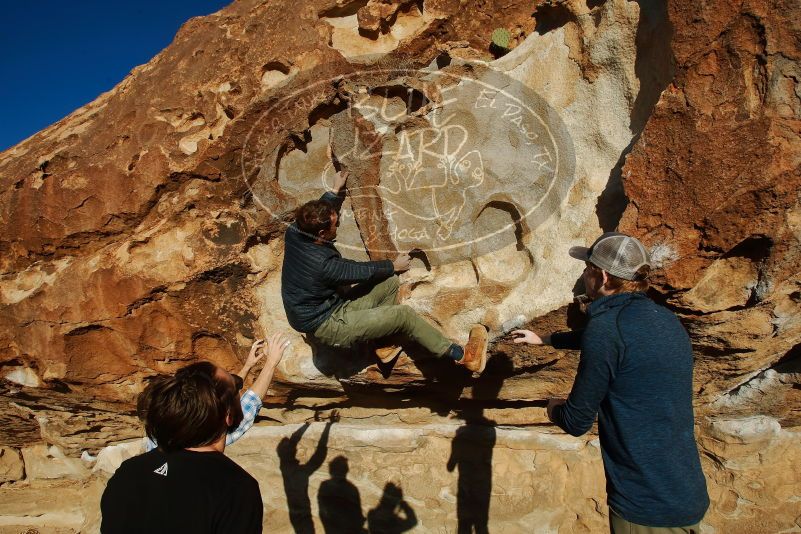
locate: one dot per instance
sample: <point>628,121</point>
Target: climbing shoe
<point>475,352</point>
<point>387,354</point>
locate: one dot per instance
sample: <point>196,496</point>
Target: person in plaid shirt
<point>190,415</point>
<point>251,400</point>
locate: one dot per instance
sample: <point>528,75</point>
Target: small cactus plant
<point>501,38</point>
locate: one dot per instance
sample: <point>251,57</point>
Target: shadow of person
<point>444,379</point>
<point>339,501</point>
<point>340,363</point>
<point>296,476</point>
<point>471,450</point>
<point>392,514</point>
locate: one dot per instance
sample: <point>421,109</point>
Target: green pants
<point>377,315</point>
<point>618,525</point>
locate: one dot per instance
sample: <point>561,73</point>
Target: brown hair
<point>314,216</point>
<point>190,408</point>
<point>616,284</point>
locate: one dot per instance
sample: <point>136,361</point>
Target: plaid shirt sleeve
<point>251,404</point>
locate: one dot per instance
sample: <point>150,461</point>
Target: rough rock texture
<point>144,230</point>
<point>721,156</point>
<point>11,466</point>
<point>42,461</point>
<point>526,480</point>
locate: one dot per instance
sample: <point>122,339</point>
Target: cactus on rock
<point>501,38</point>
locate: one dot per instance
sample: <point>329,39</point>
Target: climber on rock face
<point>635,374</point>
<point>314,270</point>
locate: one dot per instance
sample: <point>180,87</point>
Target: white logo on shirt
<point>162,470</point>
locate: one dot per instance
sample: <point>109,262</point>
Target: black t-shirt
<point>184,491</point>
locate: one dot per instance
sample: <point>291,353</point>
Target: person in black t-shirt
<point>187,484</point>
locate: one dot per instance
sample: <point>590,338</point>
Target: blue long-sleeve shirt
<point>635,374</point>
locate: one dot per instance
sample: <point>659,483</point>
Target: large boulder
<point>144,231</point>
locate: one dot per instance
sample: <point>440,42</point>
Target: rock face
<point>514,479</point>
<point>144,231</point>
<point>725,199</point>
<point>11,466</point>
<point>49,462</point>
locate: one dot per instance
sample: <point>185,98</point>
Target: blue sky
<point>56,56</point>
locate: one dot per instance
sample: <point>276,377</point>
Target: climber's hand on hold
<point>402,262</point>
<point>339,181</point>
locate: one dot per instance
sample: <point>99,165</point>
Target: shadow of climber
<point>471,450</point>
<point>339,501</point>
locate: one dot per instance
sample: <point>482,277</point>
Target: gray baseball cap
<point>615,253</point>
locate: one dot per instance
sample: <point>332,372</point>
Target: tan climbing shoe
<point>475,352</point>
<point>387,354</point>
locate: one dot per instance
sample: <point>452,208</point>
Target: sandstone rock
<point>71,420</point>
<point>24,376</point>
<point>526,472</point>
<point>42,461</point>
<point>51,507</point>
<point>346,29</point>
<point>109,458</point>
<point>185,276</point>
<point>727,283</point>
<point>701,189</point>
<point>376,15</point>
<point>11,465</point>
<point>529,478</point>
<point>738,449</point>
<point>134,250</point>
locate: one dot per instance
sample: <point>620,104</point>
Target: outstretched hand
<point>277,344</point>
<point>272,352</point>
<point>255,354</point>
<point>253,358</point>
<point>527,336</point>
<point>339,181</point>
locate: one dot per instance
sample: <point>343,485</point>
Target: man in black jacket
<point>314,270</point>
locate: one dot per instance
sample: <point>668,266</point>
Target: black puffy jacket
<point>312,272</point>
